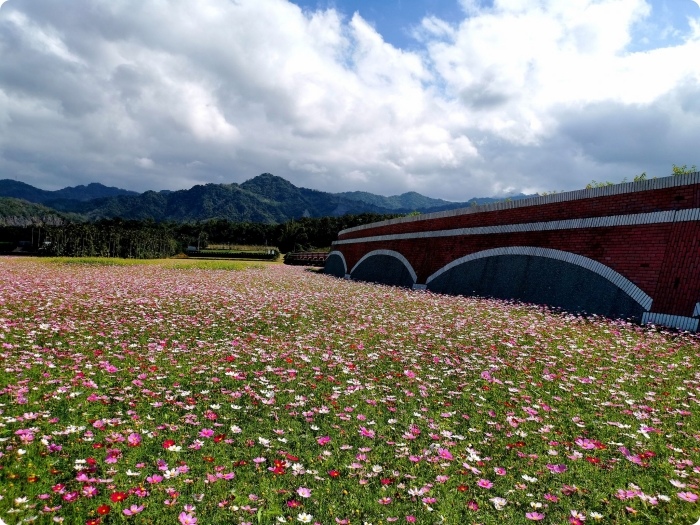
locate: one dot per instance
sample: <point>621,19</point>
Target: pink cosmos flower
<point>445,454</point>
<point>206,432</point>
<point>304,492</point>
<point>133,510</point>
<point>89,491</point>
<point>585,443</point>
<point>690,497</point>
<point>484,484</point>
<point>556,468</point>
<point>366,432</point>
<point>133,439</point>
<point>70,496</point>
<point>323,440</point>
<point>187,519</point>
<point>534,516</point>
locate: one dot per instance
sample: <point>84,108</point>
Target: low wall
<point>624,251</point>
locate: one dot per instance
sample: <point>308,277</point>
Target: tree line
<point>149,239</point>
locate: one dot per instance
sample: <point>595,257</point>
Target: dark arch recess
<point>540,280</point>
<point>335,265</point>
<point>383,269</point>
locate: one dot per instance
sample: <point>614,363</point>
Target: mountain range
<point>266,199</point>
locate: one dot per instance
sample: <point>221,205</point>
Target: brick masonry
<point>630,250</point>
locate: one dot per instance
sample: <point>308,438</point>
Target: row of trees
<point>148,239</point>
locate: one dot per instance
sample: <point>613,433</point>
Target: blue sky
<point>452,99</point>
<point>395,20</point>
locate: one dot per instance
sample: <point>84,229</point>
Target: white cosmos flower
<point>498,503</point>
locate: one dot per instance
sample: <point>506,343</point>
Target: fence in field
<point>306,258</point>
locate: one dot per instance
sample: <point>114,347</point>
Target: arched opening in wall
<point>384,267</point>
<point>335,265</point>
<point>543,276</point>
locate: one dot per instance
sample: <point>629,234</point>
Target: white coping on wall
<point>615,189</point>
<point>390,253</point>
<point>696,312</point>
<point>657,217</point>
<point>674,321</point>
<point>608,273</point>
<point>339,254</point>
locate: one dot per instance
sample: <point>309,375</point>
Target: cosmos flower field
<point>158,394</point>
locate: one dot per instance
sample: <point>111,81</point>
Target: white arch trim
<point>606,272</point>
<point>342,257</point>
<point>390,253</point>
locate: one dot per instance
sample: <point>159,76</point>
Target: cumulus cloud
<point>516,96</point>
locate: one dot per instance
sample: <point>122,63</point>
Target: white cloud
<point>507,99</point>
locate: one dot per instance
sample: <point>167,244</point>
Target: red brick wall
<point>663,259</point>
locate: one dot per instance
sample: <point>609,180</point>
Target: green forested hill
<point>264,199</point>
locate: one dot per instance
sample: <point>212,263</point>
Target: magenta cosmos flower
<point>484,484</point>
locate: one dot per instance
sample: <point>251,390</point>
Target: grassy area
<point>182,263</point>
<point>139,393</point>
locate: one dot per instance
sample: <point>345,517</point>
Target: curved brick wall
<point>630,250</point>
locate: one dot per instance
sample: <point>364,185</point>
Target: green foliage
<point>684,169</point>
<point>111,239</point>
<point>148,239</point>
<point>596,184</point>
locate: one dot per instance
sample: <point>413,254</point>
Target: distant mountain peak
<point>266,198</point>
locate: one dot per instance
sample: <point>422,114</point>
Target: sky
<point>453,99</point>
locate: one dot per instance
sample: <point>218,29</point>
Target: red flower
<point>462,488</point>
<point>386,481</point>
<point>103,509</point>
<point>292,503</point>
<point>168,443</point>
<point>93,521</point>
<point>592,460</point>
<point>219,438</point>
<point>334,473</point>
<point>290,457</point>
<point>116,497</point>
